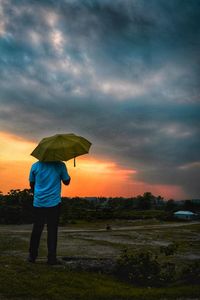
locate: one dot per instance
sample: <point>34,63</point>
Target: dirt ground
<point>92,246</point>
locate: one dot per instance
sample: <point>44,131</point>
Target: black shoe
<point>30,259</point>
<point>54,262</point>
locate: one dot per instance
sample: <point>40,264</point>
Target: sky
<point>124,74</point>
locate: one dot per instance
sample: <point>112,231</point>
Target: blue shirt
<point>47,177</point>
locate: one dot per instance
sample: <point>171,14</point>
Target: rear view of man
<point>45,181</point>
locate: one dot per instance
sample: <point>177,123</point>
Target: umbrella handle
<point>74,161</point>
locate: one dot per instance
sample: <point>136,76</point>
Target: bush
<point>169,250</point>
<point>144,269</point>
<point>191,273</point>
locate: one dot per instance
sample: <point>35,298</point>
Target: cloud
<point>124,78</point>
<point>186,177</point>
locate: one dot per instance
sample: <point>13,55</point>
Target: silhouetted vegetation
<point>148,268</point>
<point>16,208</point>
<point>191,273</point>
<point>144,268</point>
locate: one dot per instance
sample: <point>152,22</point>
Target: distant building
<point>186,215</point>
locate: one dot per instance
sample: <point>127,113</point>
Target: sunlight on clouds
<point>66,66</point>
<point>90,177</point>
<point>51,17</point>
<point>176,131</point>
<point>14,148</point>
<point>76,71</point>
<point>94,177</point>
<point>79,91</point>
<point>15,162</point>
<point>14,175</point>
<point>70,66</point>
<point>98,178</point>
<point>122,89</point>
<point>167,191</point>
<point>150,81</point>
<point>99,167</point>
<point>57,40</point>
<point>193,165</point>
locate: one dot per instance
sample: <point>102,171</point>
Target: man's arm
<point>32,178</point>
<point>64,174</point>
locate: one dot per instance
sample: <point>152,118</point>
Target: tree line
<point>16,207</point>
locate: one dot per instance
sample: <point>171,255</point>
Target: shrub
<point>144,269</point>
<point>191,273</point>
<point>169,250</point>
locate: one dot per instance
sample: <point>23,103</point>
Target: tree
<point>145,201</point>
<point>170,205</point>
<point>188,205</point>
<point>16,207</point>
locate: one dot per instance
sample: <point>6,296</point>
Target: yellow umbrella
<point>61,147</point>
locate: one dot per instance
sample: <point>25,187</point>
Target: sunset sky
<point>124,74</point>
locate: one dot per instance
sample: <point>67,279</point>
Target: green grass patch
<point>20,280</point>
<point>9,243</point>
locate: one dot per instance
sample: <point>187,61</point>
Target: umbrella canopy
<point>61,147</point>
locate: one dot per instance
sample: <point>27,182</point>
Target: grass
<point>20,280</point>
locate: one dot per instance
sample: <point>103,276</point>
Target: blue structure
<point>185,215</point>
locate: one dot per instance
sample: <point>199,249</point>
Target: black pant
<point>50,216</point>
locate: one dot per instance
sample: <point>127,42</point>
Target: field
<point>89,252</point>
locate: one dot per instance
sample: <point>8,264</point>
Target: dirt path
<point>121,228</point>
<point>27,228</point>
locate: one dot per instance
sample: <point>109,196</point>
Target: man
<point>45,181</point>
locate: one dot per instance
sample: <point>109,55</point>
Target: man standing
<point>45,181</point>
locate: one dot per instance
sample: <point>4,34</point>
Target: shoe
<point>54,262</point>
<point>30,259</point>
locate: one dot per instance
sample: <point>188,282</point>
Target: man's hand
<point>66,182</point>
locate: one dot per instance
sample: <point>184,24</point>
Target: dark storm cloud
<point>125,74</point>
<point>186,176</point>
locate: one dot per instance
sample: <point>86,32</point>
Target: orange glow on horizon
<point>91,176</point>
<point>14,148</point>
